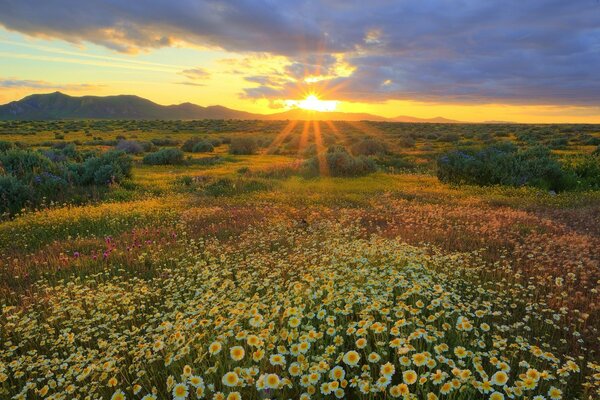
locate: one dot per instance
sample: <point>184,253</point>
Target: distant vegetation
<point>549,157</point>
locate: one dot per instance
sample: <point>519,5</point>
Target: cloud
<point>189,83</point>
<point>13,83</point>
<point>510,51</point>
<point>196,73</point>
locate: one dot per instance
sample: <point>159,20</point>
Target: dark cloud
<point>469,51</point>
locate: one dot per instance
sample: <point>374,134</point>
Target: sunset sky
<point>522,61</point>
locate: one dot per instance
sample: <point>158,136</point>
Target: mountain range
<point>58,105</point>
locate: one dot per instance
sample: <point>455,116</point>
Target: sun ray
<point>336,131</point>
<point>281,136</point>
<point>375,133</point>
<point>304,137</point>
<point>321,157</point>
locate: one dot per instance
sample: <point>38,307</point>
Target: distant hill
<point>58,105</point>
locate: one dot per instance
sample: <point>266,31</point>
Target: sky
<point>470,60</point>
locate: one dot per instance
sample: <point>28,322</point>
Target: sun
<point>313,103</point>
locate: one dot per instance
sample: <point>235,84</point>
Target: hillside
<point>58,105</point>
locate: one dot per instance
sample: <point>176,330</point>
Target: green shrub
<point>170,156</point>
<point>5,146</point>
<point>243,146</point>
<point>25,164</point>
<point>110,167</point>
<point>587,170</point>
<point>130,146</point>
<point>504,164</point>
<point>202,147</point>
<point>189,144</point>
<point>164,142</point>
<point>14,194</point>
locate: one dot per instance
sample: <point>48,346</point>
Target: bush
<point>339,163</point>
<point>369,147</point>
<point>243,146</point>
<point>110,167</point>
<point>189,144</point>
<point>504,164</point>
<point>14,194</point>
<point>31,177</point>
<point>5,146</point>
<point>130,147</point>
<point>169,156</point>
<point>164,142</point>
<point>202,147</point>
<point>24,164</point>
<point>587,170</point>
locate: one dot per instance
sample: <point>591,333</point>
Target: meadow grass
<point>230,280</point>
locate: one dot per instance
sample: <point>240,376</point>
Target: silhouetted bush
<point>338,162</point>
<point>168,156</point>
<point>243,146</point>
<point>369,147</point>
<point>189,144</point>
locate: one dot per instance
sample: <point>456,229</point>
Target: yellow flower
<point>496,396</point>
<point>409,377</point>
<point>234,396</point>
<point>388,369</point>
<point>500,378</point>
<point>215,348</point>
<point>237,353</point>
<point>272,381</point>
<point>180,391</point>
<point>118,395</point>
<point>555,393</point>
<point>351,358</point>
<point>230,379</point>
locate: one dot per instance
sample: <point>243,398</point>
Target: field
<point>282,271</point>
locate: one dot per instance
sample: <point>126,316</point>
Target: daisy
<point>180,391</point>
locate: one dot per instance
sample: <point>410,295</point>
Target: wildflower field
<point>253,276</point>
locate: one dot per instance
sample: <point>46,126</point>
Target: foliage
<point>202,146</point>
<point>504,164</point>
<point>168,156</point>
<point>369,147</point>
<point>243,146</point>
<point>38,178</point>
<point>336,161</point>
<point>130,146</point>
